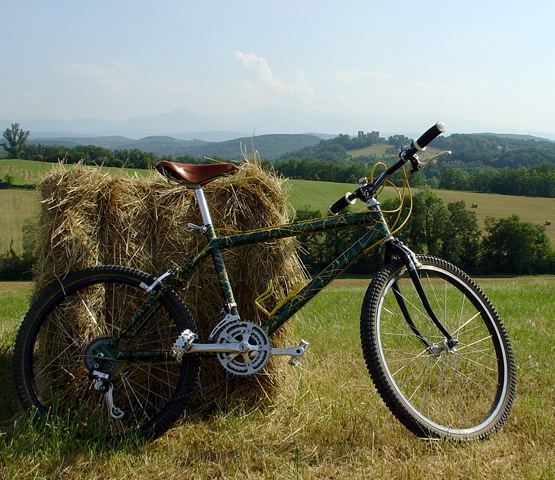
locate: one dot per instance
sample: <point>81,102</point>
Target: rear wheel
<point>433,388</point>
<point>60,344</point>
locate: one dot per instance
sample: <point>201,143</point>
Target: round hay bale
<point>90,217</point>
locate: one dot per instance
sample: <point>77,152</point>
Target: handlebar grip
<point>429,135</point>
<point>348,199</point>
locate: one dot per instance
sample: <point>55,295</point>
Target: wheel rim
<point>456,392</point>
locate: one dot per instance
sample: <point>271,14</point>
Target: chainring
<point>257,347</point>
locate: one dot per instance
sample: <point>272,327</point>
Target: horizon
<point>475,63</point>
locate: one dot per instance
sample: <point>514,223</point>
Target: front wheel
<point>60,364</point>
<point>434,388</point>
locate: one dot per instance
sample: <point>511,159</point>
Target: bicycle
<point>123,353</point>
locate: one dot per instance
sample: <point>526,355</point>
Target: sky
<point>490,61</point>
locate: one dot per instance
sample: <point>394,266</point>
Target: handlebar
<point>348,199</point>
<point>367,191</point>
<point>429,135</point>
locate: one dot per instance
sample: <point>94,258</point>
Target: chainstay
<point>196,391</point>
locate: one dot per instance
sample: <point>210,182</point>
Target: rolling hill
<point>270,146</point>
<point>17,205</point>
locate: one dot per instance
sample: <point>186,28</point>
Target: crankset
<point>253,342</point>
<point>242,347</point>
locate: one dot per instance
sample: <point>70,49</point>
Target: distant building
<point>375,136</point>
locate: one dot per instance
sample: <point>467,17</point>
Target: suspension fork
<point>407,256</point>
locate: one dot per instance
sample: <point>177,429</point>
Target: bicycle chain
<point>197,390</point>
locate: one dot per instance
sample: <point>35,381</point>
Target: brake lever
<point>420,165</point>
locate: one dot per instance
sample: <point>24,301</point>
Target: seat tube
<point>203,206</point>
<point>230,306</point>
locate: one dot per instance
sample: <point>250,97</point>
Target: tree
<point>515,247</point>
<point>462,237</point>
<point>452,178</point>
<point>426,227</point>
<point>16,138</point>
<point>398,141</point>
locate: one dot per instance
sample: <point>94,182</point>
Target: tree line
<point>481,163</point>
<point>507,246</point>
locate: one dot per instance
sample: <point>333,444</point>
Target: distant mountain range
<point>269,146</point>
<point>272,130</point>
<point>186,125</point>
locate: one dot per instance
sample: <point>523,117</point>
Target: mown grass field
<point>325,422</point>
<point>17,205</point>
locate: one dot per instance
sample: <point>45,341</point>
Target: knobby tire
<point>463,393</point>
<point>51,371</point>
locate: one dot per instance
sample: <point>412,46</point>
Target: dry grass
<point>326,421</point>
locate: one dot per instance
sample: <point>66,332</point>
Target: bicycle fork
<point>408,257</point>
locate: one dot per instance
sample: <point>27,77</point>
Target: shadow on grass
<point>8,398</point>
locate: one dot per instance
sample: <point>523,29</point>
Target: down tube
<point>325,277</point>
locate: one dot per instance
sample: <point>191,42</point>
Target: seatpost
<point>204,211</point>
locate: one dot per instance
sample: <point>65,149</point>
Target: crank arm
<point>220,348</point>
<point>295,352</point>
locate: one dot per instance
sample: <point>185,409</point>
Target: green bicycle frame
<point>215,245</point>
<point>377,232</point>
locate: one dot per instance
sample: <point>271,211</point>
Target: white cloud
<point>359,74</point>
<point>295,91</point>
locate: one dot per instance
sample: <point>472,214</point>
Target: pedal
<point>295,359</point>
<point>295,352</point>
<point>183,343</point>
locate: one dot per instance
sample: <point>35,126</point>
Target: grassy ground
<point>17,205</point>
<point>326,422</point>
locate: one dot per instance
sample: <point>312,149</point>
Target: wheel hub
<point>96,359</point>
<point>438,349</point>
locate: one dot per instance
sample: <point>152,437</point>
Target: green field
<point>17,205</point>
<point>324,421</point>
<point>320,195</point>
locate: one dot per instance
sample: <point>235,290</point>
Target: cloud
<point>359,74</point>
<point>298,89</point>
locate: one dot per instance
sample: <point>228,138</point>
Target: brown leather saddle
<point>194,175</point>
